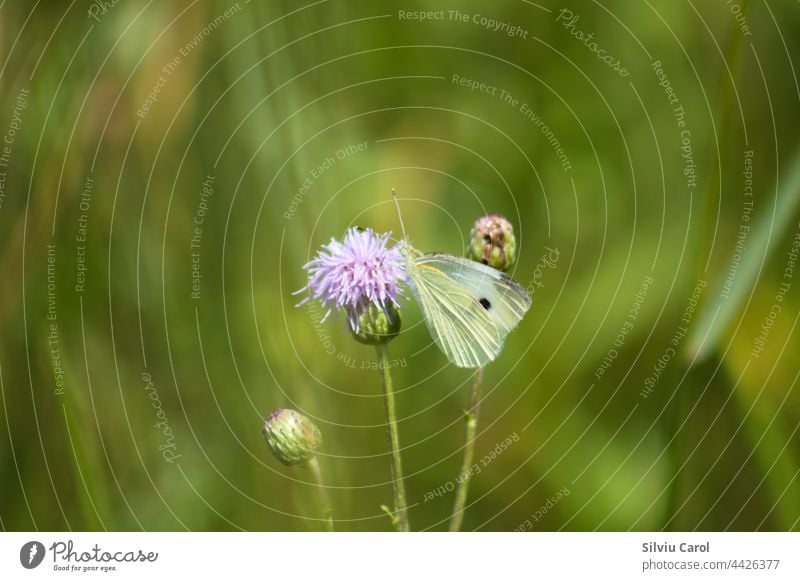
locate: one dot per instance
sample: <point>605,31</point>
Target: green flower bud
<point>377,325</point>
<point>292,437</point>
<point>491,242</point>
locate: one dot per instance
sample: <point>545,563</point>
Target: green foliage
<point>284,124</point>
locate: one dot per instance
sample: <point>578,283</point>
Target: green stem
<point>327,511</point>
<point>398,487</point>
<point>673,417</point>
<point>471,428</point>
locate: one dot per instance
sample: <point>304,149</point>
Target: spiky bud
<point>292,437</point>
<point>491,242</point>
<point>377,325</point>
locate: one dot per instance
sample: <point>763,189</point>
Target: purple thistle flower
<point>352,274</point>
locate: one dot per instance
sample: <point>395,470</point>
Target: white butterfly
<point>469,307</point>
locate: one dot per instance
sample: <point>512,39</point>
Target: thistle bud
<point>377,324</point>
<point>292,437</point>
<point>491,242</point>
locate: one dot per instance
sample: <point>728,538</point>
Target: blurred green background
<point>121,114</point>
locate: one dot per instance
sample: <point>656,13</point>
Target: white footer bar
<point>415,556</point>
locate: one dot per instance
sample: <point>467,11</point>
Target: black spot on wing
<point>485,303</point>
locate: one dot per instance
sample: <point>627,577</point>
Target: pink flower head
<point>351,274</point>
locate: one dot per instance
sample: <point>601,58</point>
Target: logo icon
<point>31,554</point>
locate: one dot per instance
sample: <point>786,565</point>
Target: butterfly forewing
<point>459,325</point>
<point>469,308</point>
<point>504,299</point>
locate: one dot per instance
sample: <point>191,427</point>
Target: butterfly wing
<point>469,308</point>
<point>504,299</point>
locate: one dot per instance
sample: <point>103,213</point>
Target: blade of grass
<point>715,316</point>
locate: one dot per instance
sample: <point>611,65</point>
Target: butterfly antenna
<point>399,214</point>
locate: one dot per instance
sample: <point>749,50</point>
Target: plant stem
<point>471,428</point>
<point>673,420</point>
<point>398,487</point>
<point>327,511</point>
